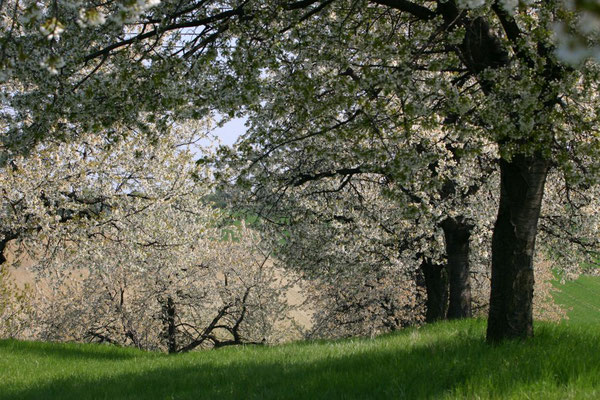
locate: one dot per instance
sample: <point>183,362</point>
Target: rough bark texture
<point>513,242</point>
<point>436,285</point>
<point>457,234</point>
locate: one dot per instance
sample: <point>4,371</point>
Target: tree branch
<point>418,11</point>
<point>189,24</point>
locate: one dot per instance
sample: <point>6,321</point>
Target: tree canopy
<point>424,100</point>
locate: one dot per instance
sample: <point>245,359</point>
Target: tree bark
<point>171,330</point>
<point>513,242</point>
<point>457,234</point>
<point>6,237</point>
<point>3,244</point>
<point>436,285</point>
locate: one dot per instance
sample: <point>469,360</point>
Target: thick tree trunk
<point>457,234</point>
<point>513,242</point>
<point>436,285</point>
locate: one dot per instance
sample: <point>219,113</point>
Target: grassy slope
<point>446,360</point>
<point>583,297</point>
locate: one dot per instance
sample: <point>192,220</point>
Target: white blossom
<point>52,28</point>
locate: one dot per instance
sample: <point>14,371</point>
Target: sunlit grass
<point>582,298</point>
<point>445,360</point>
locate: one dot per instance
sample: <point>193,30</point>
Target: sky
<point>229,132</point>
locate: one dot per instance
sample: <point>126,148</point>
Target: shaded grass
<point>582,298</point>
<point>446,360</point>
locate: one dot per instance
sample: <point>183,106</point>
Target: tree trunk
<point>513,242</point>
<point>3,244</point>
<point>6,237</point>
<point>457,233</point>
<point>436,285</point>
<point>170,329</point>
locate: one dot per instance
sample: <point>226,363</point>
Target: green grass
<point>582,298</point>
<point>441,361</point>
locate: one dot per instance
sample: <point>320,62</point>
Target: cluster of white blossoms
<point>83,180</point>
<point>370,116</point>
<point>129,11</point>
<point>577,34</point>
<point>572,47</point>
<point>53,64</point>
<point>91,17</point>
<point>212,291</point>
<point>510,6</point>
<point>53,20</point>
<point>15,305</point>
<point>52,28</point>
<point>123,235</point>
<point>364,145</point>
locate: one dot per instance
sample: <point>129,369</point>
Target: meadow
<point>446,360</point>
<point>441,361</point>
<point>582,298</point>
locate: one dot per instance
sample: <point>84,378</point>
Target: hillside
<point>581,298</point>
<point>445,360</point>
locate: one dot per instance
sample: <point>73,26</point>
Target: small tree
<point>230,295</point>
<point>130,251</point>
<point>15,305</point>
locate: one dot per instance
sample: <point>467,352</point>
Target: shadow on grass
<point>461,366</point>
